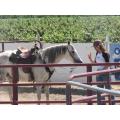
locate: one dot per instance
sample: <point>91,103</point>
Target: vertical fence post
<point>3,47</point>
<point>109,87</point>
<point>68,94</point>
<point>98,98</point>
<point>15,87</point>
<point>89,80</point>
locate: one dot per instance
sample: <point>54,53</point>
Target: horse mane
<point>51,53</point>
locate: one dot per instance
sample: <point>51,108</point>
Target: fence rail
<point>61,65</point>
<point>15,79</point>
<point>89,87</point>
<point>94,73</point>
<point>94,88</point>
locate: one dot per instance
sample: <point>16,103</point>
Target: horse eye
<point>73,52</point>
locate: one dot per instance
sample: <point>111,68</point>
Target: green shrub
<point>59,28</point>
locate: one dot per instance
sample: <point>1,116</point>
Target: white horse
<point>52,54</point>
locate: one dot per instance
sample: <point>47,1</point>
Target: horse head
<point>55,54</point>
<point>72,54</point>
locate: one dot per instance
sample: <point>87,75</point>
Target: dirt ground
<point>56,94</point>
<point>29,93</point>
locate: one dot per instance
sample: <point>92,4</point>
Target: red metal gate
<point>15,79</point>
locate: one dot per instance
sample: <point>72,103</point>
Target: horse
<point>53,54</point>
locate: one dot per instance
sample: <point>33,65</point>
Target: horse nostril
<point>79,61</point>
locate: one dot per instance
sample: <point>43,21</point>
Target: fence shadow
<point>52,90</point>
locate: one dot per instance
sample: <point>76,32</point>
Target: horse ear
<point>68,42</point>
<point>40,44</point>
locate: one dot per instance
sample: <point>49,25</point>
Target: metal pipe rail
<point>89,74</point>
<point>60,65</point>
<point>94,73</point>
<point>93,88</point>
<point>15,67</point>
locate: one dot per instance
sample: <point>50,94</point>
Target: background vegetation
<point>59,28</point>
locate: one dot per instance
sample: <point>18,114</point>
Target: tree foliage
<point>59,29</point>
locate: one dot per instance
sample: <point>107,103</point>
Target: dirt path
<point>29,93</point>
<point>26,94</point>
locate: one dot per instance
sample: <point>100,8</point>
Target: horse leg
<point>39,91</point>
<point>47,92</point>
<point>10,88</point>
<point>10,92</point>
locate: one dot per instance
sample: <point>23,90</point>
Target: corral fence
<point>4,42</point>
<point>15,84</point>
<point>93,88</point>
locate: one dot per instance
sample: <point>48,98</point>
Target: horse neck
<point>59,58</point>
<point>38,59</point>
<point>54,56</point>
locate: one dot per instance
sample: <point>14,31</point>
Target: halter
<point>48,70</point>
